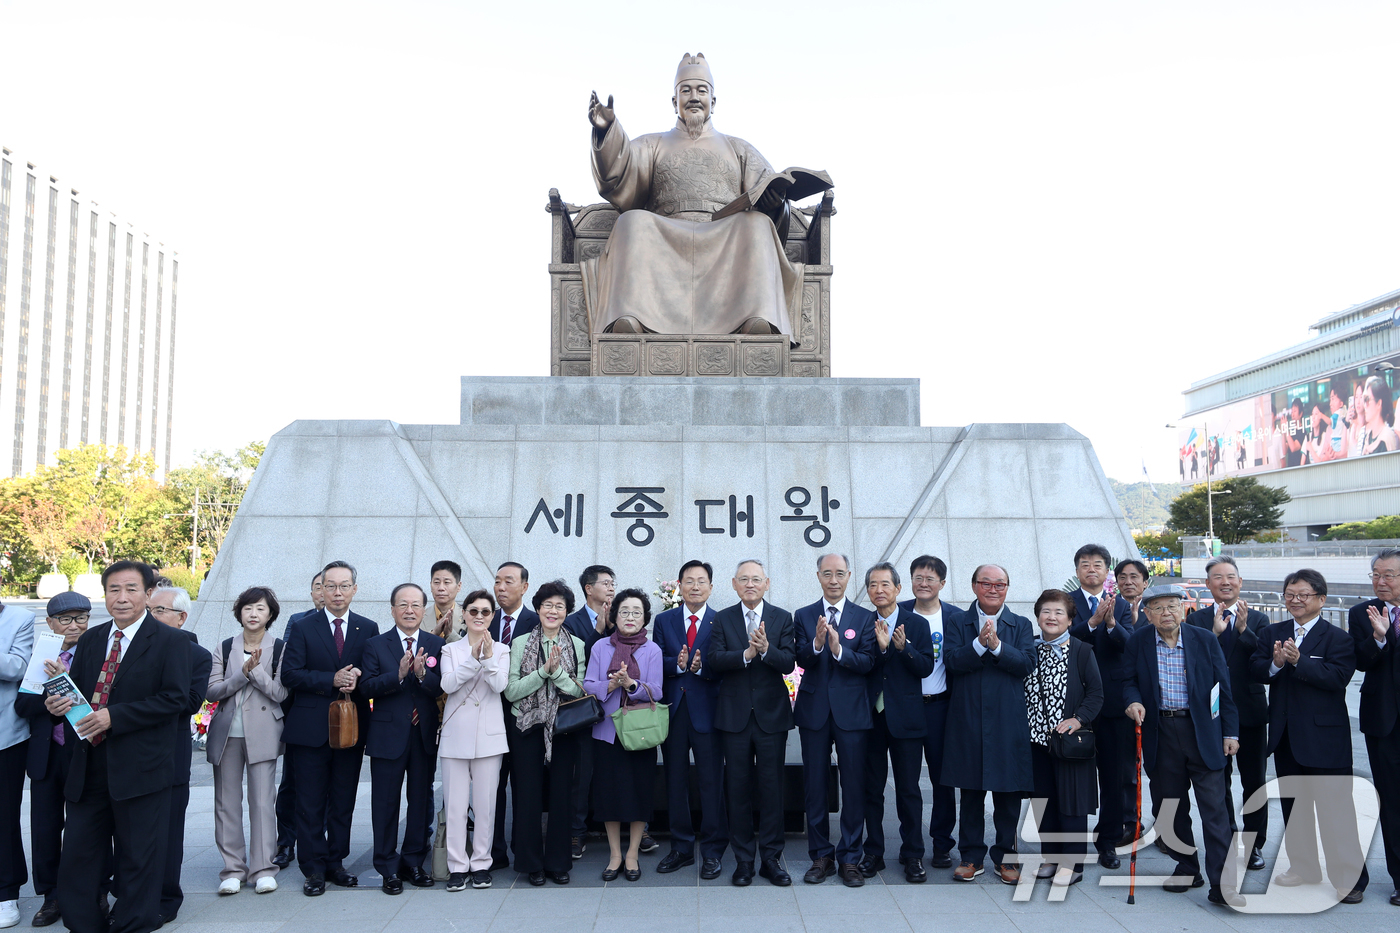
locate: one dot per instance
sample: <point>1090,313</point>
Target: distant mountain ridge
<point>1146,505</point>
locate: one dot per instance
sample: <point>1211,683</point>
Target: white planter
<point>89,584</point>
<point>51,584</point>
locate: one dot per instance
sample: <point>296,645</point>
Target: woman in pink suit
<point>474,672</point>
<point>621,669</point>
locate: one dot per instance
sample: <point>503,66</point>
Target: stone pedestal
<point>644,474</point>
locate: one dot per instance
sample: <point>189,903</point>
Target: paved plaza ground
<point>682,902</point>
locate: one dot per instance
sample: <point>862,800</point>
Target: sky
<point>1046,211</point>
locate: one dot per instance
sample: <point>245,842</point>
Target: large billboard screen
<point>1350,413</point>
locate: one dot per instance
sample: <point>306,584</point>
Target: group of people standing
<point>489,689</point>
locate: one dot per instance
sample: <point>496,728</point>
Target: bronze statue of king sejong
<point>669,267</point>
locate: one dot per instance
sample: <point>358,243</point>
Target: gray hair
<point>822,557</point>
<point>883,565</point>
<point>750,560</point>
<point>180,601</point>
<point>1389,553</point>
<point>981,567</point>
<point>1227,559</point>
<point>340,565</point>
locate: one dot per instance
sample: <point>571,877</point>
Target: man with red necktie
<point>135,672</point>
<point>513,619</point>
<point>691,688</point>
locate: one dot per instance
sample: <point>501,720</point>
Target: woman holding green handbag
<point>624,669</point>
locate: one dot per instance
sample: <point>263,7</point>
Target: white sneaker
<point>230,886</point>
<point>266,885</point>
<point>9,914</point>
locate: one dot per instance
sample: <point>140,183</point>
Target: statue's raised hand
<point>600,116</point>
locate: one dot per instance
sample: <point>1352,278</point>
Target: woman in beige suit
<point>474,672</point>
<point>246,734</point>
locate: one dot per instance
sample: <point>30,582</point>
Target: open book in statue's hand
<point>794,184</point>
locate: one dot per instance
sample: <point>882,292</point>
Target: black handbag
<point>578,714</point>
<point>1072,746</point>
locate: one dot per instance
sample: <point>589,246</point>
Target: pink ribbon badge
<point>849,633</point>
<point>431,662</point>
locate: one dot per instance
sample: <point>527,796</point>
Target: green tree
<point>1243,507</point>
<point>1159,545</point>
<point>1380,529</point>
<point>221,479</point>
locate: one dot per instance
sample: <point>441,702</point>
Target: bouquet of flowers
<point>669,592</point>
<point>793,681</point>
<point>205,716</point>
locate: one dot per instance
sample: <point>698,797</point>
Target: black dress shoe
<point>48,914</point>
<point>1110,861</point>
<point>314,885</point>
<point>343,878</point>
<point>499,863</point>
<point>773,870</point>
<point>710,869</point>
<point>1256,860</point>
<point>632,874</point>
<point>1180,884</point>
<point>537,878</point>
<point>558,877</point>
<point>163,919</point>
<point>610,874</point>
<point>1129,835</point>
<point>1395,899</point>
<point>1354,896</point>
<point>870,867</point>
<point>418,878</point>
<point>743,875</point>
<point>914,871</point>
<point>284,856</point>
<point>392,885</point>
<point>674,861</point>
<point>822,869</point>
<point>1225,898</point>
<point>851,875</point>
<point>941,860</point>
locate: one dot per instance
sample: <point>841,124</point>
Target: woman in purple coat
<point>622,669</point>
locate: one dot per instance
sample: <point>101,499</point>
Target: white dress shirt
<point>1297,639</point>
<point>834,623</point>
<point>751,626</point>
<point>344,622</point>
<point>128,634</point>
<point>699,617</point>
<point>937,680</point>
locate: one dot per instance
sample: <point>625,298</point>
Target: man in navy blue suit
<point>1177,685</point>
<point>597,583</point>
<point>897,698</point>
<point>323,660</point>
<point>1307,663</point>
<point>1105,622</point>
<point>286,791</point>
<point>403,677</point>
<point>692,691</point>
<point>928,575</point>
<point>1375,628</point>
<point>836,649</point>
<point>512,619</point>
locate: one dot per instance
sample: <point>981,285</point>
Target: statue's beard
<point>694,122</point>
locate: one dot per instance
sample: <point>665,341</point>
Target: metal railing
<point>1312,549</point>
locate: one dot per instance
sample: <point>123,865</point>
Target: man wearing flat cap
<point>667,267</point>
<point>1177,686</point>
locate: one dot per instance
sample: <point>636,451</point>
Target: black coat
<point>1077,782</point>
<point>1108,645</point>
<point>31,706</point>
<point>201,663</point>
<point>1309,699</point>
<point>1381,686</point>
<point>1205,667</point>
<point>756,689</point>
<point>988,739</point>
<point>148,696</point>
<point>899,675</point>
<point>395,699</point>
<point>832,689</point>
<point>1251,699</point>
<point>309,663</point>
<point>524,622</point>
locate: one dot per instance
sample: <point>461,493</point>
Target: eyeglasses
<point>994,587</point>
<point>1297,597</point>
<point>337,587</point>
<point>834,574</point>
<point>630,614</point>
<point>403,606</point>
<point>480,612</point>
<point>79,619</point>
<point>749,581</point>
<point>164,611</point>
<point>922,580</point>
<point>1388,577</point>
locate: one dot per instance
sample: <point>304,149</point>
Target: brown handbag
<point>344,723</point>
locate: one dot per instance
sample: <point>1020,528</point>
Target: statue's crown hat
<point>694,68</point>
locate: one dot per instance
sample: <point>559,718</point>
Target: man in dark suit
<point>1132,577</point>
<point>1177,685</point>
<point>323,661</point>
<point>588,625</point>
<point>897,700</point>
<point>989,651</point>
<point>512,619</point>
<point>691,687</point>
<point>403,677</point>
<point>1375,629</point>
<point>286,791</point>
<point>1307,663</point>
<point>171,605</point>
<point>836,648</point>
<point>752,647</point>
<point>928,575</point>
<point>1104,622</point>
<point>136,674</point>
<point>51,744</point>
<point>1237,628</point>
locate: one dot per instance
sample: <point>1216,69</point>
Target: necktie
<point>104,680</point>
<point>339,637</point>
<point>1093,604</point>
<point>753,621</point>
<point>505,629</point>
<point>690,632</point>
<point>1299,635</point>
<point>67,658</point>
<point>408,649</point>
<point>1395,620</point>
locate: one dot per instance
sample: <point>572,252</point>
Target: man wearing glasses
<point>1375,631</point>
<point>1308,663</point>
<point>989,653</point>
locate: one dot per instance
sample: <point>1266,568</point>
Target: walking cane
<point>1137,832</point>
